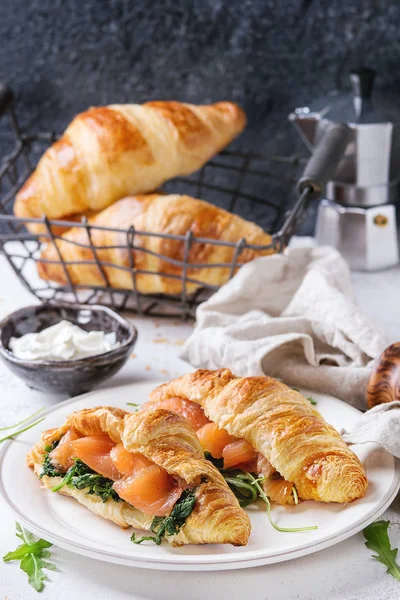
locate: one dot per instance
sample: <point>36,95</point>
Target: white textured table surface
<point>343,572</point>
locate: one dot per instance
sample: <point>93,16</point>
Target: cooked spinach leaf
<point>48,468</point>
<point>170,525</point>
<point>217,462</point>
<point>82,477</point>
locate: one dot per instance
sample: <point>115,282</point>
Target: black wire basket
<point>257,187</point>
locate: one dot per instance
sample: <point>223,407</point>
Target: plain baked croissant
<point>167,441</point>
<point>281,425</point>
<point>109,152</point>
<point>158,214</point>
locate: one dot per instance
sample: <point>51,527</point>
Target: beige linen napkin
<point>291,316</point>
<point>381,425</point>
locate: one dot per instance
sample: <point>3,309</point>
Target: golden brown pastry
<point>165,214</point>
<point>166,446</point>
<point>109,152</point>
<point>281,425</point>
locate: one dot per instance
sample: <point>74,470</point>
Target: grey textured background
<point>61,56</point>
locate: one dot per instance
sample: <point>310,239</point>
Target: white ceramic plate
<point>67,524</point>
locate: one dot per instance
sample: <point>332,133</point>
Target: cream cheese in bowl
<point>62,341</point>
<point>65,348</point>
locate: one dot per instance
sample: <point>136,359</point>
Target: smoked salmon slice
<point>264,467</point>
<point>213,439</point>
<point>62,455</point>
<point>190,410</point>
<point>94,451</point>
<point>279,490</point>
<point>150,489</point>
<point>238,452</point>
<point>126,461</point>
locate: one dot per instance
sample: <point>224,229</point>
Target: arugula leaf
<point>377,538</point>
<point>31,554</point>
<point>33,566</point>
<point>170,525</point>
<point>82,477</point>
<point>26,548</point>
<point>24,535</point>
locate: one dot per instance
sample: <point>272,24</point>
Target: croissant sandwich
<point>144,470</point>
<point>260,425</point>
<point>109,152</point>
<point>157,214</point>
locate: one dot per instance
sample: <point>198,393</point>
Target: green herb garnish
<point>295,495</point>
<point>310,398</point>
<point>82,477</point>
<point>240,485</point>
<point>247,489</point>
<point>377,538</point>
<point>23,420</point>
<point>170,525</point>
<point>237,481</point>
<point>15,433</point>
<point>135,405</point>
<point>31,554</point>
<point>264,497</point>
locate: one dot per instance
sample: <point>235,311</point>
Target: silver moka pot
<point>358,214</point>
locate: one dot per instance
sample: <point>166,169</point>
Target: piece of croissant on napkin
<point>293,316</point>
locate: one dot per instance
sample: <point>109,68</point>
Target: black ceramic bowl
<point>70,377</point>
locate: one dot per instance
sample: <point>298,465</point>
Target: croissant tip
<point>234,112</point>
<point>349,477</point>
<point>240,532</point>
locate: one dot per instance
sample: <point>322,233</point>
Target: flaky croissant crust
<point>158,214</point>
<point>111,151</point>
<point>280,424</point>
<point>169,441</point>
